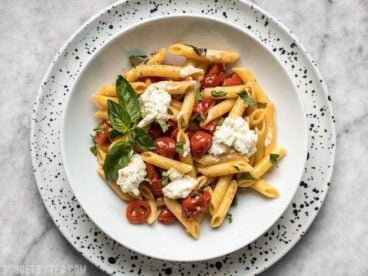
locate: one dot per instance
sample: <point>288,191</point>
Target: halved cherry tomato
<point>196,204</point>
<point>102,137</point>
<point>165,146</point>
<point>154,178</point>
<point>138,211</point>
<point>211,126</point>
<point>200,143</point>
<point>202,107</point>
<point>155,130</point>
<point>166,217</point>
<point>212,81</point>
<point>232,79</point>
<point>215,69</point>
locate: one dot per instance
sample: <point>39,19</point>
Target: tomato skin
<point>138,211</point>
<point>102,137</point>
<point>215,69</point>
<point>201,107</point>
<point>166,217</point>
<point>165,146</point>
<point>211,126</point>
<point>200,143</point>
<point>232,79</point>
<point>155,130</point>
<point>155,179</point>
<point>212,81</point>
<point>196,204</point>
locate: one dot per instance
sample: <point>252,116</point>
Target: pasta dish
<point>177,142</point>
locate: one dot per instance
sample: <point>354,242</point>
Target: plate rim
<point>278,24</point>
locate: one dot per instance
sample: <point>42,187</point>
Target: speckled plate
<point>65,69</point>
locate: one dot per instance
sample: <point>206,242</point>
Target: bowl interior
<point>254,214</point>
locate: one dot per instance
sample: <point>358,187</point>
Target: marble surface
<point>336,34</point>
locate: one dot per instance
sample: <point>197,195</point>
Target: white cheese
<point>234,135</point>
<point>132,175</point>
<point>188,71</point>
<point>154,103</point>
<point>268,139</point>
<point>214,54</point>
<point>180,185</point>
<point>186,149</point>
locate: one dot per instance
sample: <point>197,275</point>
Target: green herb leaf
<point>98,128</point>
<point>143,139</point>
<point>235,202</point>
<point>245,96</point>
<point>112,134</point>
<point>229,217</point>
<point>163,125</point>
<point>274,159</point>
<point>247,176</point>
<point>118,116</point>
<point>179,147</point>
<point>221,121</point>
<point>237,168</point>
<point>117,158</point>
<point>93,150</point>
<point>199,51</point>
<point>128,99</point>
<point>164,178</point>
<point>217,94</point>
<point>199,118</point>
<point>135,60</point>
<point>198,96</point>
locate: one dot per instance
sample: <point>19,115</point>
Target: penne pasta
<point>238,108</point>
<point>157,57</point>
<point>218,194</point>
<point>227,168</point>
<point>224,92</point>
<point>186,109</point>
<point>265,189</point>
<point>208,159</point>
<point>270,140</point>
<point>165,163</point>
<point>153,215</point>
<point>101,101</point>
<point>175,103</point>
<point>260,153</point>
<point>218,110</point>
<point>186,157</point>
<point>190,61</point>
<point>265,164</point>
<point>101,115</point>
<point>146,192</point>
<point>256,117</point>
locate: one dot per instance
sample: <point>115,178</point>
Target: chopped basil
<point>235,202</point>
<point>135,60</point>
<point>164,126</point>
<point>199,51</point>
<point>247,176</point>
<point>179,147</point>
<point>221,121</point>
<point>217,94</point>
<point>118,116</point>
<point>274,159</point>
<point>98,128</point>
<point>142,139</point>
<point>229,217</point>
<point>198,96</point>
<point>93,150</point>
<point>164,178</point>
<point>117,158</point>
<point>236,167</point>
<point>245,96</point>
<point>112,134</point>
<point>198,118</point>
<point>128,99</point>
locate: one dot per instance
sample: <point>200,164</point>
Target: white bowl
<point>254,213</point>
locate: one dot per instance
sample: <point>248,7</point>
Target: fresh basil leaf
<point>199,51</point>
<point>274,159</point>
<point>247,176</point>
<point>179,148</point>
<point>198,96</point>
<point>93,137</point>
<point>112,134</point>
<point>236,167</point>
<point>163,125</point>
<point>221,121</point>
<point>117,158</point>
<point>245,96</point>
<point>128,99</point>
<point>199,118</point>
<point>143,139</point>
<point>217,94</point>
<point>118,117</point>
<point>93,150</point>
<point>98,128</point>
<point>135,60</point>
<point>164,178</point>
<point>235,202</point>
<point>229,217</point>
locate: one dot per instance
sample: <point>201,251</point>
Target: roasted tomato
<point>200,143</point>
<point>211,126</point>
<point>165,146</point>
<point>138,211</point>
<point>166,217</point>
<point>202,107</point>
<point>232,79</point>
<point>212,81</point>
<point>196,204</point>
<point>215,69</point>
<point>102,137</point>
<point>155,179</point>
<point>155,130</point>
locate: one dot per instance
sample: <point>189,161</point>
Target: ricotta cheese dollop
<point>132,175</point>
<point>234,135</point>
<point>180,185</point>
<point>154,103</point>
